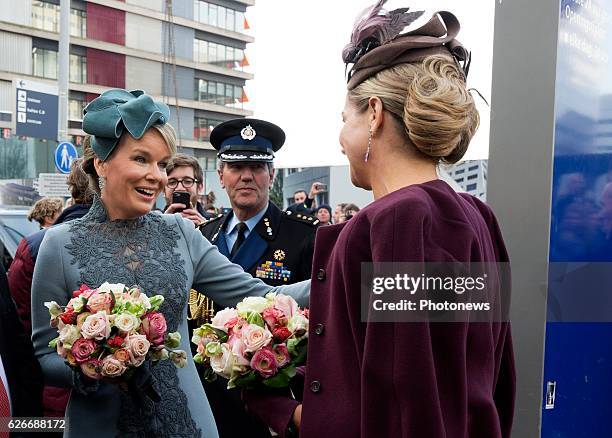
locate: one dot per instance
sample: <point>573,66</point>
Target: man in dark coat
<point>22,269</point>
<point>20,374</point>
<point>270,244</point>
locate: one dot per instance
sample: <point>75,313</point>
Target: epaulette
<point>208,221</point>
<point>303,218</point>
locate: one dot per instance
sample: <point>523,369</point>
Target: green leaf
<point>255,318</point>
<point>281,380</point>
<point>289,371</point>
<point>53,343</point>
<point>248,380</point>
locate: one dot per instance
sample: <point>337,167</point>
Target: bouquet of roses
<point>108,332</point>
<point>261,341</point>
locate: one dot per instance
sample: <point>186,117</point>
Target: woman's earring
<point>367,154</point>
<point>101,183</point>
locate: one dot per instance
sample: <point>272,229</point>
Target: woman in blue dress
<point>121,241</point>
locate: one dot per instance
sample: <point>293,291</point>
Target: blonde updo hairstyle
<point>166,131</point>
<point>431,103</point>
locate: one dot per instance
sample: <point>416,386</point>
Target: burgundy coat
<point>401,379</point>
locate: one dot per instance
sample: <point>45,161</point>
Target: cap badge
<point>248,133</point>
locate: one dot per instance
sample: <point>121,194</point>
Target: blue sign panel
<point>36,110</point>
<point>578,352</point>
<point>65,154</point>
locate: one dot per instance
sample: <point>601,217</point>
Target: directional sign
<point>53,184</point>
<point>65,154</point>
<point>36,109</point>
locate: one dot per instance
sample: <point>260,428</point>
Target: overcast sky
<point>299,75</point>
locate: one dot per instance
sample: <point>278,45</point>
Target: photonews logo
<point>405,292</point>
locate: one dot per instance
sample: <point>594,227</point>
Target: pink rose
<point>122,355</point>
<point>222,317</point>
<point>264,362</point>
<point>138,347</point>
<point>235,325</point>
<point>100,302</point>
<point>274,317</point>
<point>286,304</point>
<point>255,337</point>
<point>91,369</point>
<point>96,326</point>
<point>82,349</point>
<point>112,367</point>
<point>154,327</point>
<point>238,349</point>
<point>282,356</point>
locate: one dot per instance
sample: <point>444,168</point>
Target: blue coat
<point>163,254</point>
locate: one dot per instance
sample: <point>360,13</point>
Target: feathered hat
<point>381,39</point>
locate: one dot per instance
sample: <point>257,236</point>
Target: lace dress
<point>163,254</point>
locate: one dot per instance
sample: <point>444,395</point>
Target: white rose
<point>116,288</point>
<point>252,304</point>
<point>126,322</point>
<point>140,299</point>
<point>77,304</point>
<point>68,335</point>
<point>298,325</point>
<point>222,317</point>
<point>222,363</point>
<point>54,309</point>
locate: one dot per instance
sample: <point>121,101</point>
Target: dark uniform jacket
<point>278,251</point>
<point>421,379</point>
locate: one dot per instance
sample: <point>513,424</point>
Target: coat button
<point>319,329</point>
<point>321,274</point>
<point>315,386</point>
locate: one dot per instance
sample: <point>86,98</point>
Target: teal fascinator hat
<point>107,117</point>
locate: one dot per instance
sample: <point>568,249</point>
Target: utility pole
<point>64,71</point>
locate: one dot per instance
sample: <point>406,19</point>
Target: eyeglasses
<point>187,182</point>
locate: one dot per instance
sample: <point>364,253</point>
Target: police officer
<point>270,244</point>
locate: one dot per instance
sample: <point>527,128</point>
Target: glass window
<point>239,27</point>
<point>212,14</point>
<point>231,17</point>
<point>78,69</point>
<point>470,187</point>
<point>203,12</point>
<point>196,10</point>
<point>212,53</point>
<point>229,94</point>
<point>221,16</point>
<point>75,109</point>
<point>472,167</point>
<point>50,69</point>
<point>78,23</point>
<point>472,176</point>
<point>37,62</point>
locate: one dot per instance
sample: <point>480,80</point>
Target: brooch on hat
<point>248,133</point>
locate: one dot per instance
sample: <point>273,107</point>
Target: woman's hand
<point>297,417</point>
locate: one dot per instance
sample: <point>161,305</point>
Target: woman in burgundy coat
<point>407,110</point>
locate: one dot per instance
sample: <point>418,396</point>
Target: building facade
<point>187,53</point>
<point>471,176</point>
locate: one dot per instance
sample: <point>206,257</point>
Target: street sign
<point>65,154</point>
<point>53,184</point>
<point>36,109</point>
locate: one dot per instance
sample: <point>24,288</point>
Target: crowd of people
<point>407,109</point>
